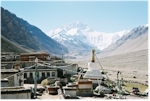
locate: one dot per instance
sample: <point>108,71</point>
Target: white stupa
<point>93,72</point>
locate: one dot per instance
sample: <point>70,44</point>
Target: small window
<point>48,74</point>
<point>31,75</point>
<point>43,74</point>
<point>53,74</point>
<point>25,75</point>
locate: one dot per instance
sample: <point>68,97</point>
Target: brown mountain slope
<point>26,35</point>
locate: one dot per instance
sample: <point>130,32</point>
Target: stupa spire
<point>93,57</point>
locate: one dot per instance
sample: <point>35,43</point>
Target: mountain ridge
<point>28,36</point>
<point>112,43</point>
<point>85,35</point>
<point>135,40</point>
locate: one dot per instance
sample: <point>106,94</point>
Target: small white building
<point>4,83</point>
<point>29,75</point>
<point>15,77</point>
<point>85,88</point>
<point>71,91</point>
<point>15,93</point>
<point>80,88</point>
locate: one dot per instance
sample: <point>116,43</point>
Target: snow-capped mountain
<point>79,36</point>
<point>103,40</point>
<point>135,40</point>
<point>73,36</point>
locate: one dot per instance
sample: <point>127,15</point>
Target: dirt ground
<point>133,66</point>
<point>47,96</point>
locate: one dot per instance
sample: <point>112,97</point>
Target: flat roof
<point>9,70</point>
<point>33,53</point>
<point>53,69</point>
<point>4,80</point>
<point>16,89</point>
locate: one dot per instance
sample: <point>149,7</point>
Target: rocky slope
<point>8,46</point>
<point>135,40</point>
<point>28,36</point>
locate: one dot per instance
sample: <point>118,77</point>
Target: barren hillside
<point>130,64</point>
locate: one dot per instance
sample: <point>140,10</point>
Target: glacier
<point>80,35</point>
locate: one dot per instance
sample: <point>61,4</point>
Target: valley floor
<point>133,66</point>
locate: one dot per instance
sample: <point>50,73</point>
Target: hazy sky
<point>104,16</point>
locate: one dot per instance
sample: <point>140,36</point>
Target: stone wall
<point>10,80</point>
<point>15,93</point>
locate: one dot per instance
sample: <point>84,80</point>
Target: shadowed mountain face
<point>27,36</point>
<point>8,46</point>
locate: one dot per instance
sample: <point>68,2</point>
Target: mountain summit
<point>73,36</point>
<point>80,37</point>
<point>70,29</point>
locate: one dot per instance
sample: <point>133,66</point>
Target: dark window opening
<point>31,75</point>
<point>25,75</point>
<point>48,74</point>
<point>53,74</point>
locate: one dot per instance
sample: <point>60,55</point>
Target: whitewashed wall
<point>16,95</point>
<point>72,93</point>
<point>17,78</point>
<point>85,86</point>
<point>70,68</point>
<point>4,84</point>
